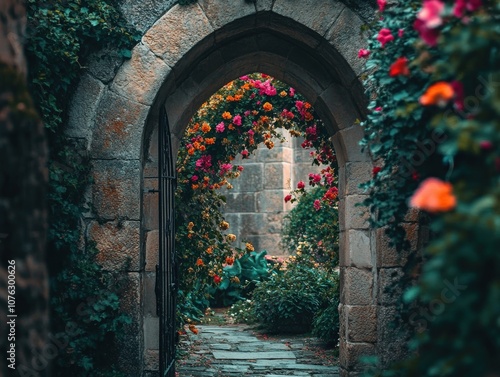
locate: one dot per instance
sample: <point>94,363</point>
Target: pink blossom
<point>270,91</point>
<point>288,198</point>
<point>431,12</point>
<point>292,92</point>
<point>462,5</point>
<point>251,133</point>
<point>458,88</point>
<point>381,5</point>
<point>204,163</point>
<point>315,178</point>
<point>299,105</point>
<point>486,145</point>
<point>429,36</point>
<point>301,185</point>
<point>194,178</point>
<point>317,205</point>
<point>240,168</point>
<point>384,36</point>
<point>224,168</point>
<point>401,32</point>
<point>379,108</point>
<point>246,113</point>
<point>363,53</point>
<point>244,78</point>
<point>237,120</point>
<point>220,127</point>
<point>244,153</point>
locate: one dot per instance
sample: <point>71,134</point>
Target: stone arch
<point>184,57</point>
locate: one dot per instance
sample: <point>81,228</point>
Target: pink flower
<point>251,133</point>
<point>401,32</point>
<point>288,198</point>
<point>429,36</point>
<point>240,168</point>
<point>379,108</point>
<point>292,92</point>
<point>237,120</point>
<point>462,5</point>
<point>381,5</point>
<point>244,78</point>
<point>486,145</point>
<point>194,178</point>
<point>430,14</point>
<point>458,88</point>
<point>246,113</point>
<point>204,163</point>
<point>384,36</point>
<point>315,178</point>
<point>299,105</point>
<point>363,53</point>
<point>220,127</point>
<point>317,205</point>
<point>301,185</point>
<point>224,168</point>
<point>244,153</point>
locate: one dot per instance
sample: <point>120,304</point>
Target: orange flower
<point>224,225</point>
<point>267,106</point>
<point>237,97</point>
<point>193,329</point>
<point>210,250</point>
<point>190,151</point>
<point>199,262</point>
<point>205,127</point>
<point>231,127</point>
<point>434,195</point>
<point>283,93</point>
<point>229,260</point>
<point>210,140</point>
<point>227,115</point>
<point>437,94</point>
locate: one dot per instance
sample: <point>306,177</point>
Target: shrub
<point>243,312</point>
<point>288,301</point>
<point>326,321</point>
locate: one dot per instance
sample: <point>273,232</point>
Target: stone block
<point>342,322</point>
<point>118,244</point>
<point>357,173</point>
<point>130,358</point>
<point>142,14</point>
<point>356,286</point>
<point>350,354</point>
<point>269,242</point>
<point>177,32</point>
<point>338,100</point>
<point>277,154</point>
<point>263,5</point>
<point>389,286</point>
<point>151,333</point>
<point>152,247</point>
<point>141,77</point>
<point>347,38</point>
<point>251,178</point>
<point>271,201</point>
<point>150,206</point>
<point>104,64</point>
<point>220,12</point>
<point>317,18</point>
<point>277,175</point>
<point>116,189</point>
<point>350,138</point>
<point>149,297</point>
<point>361,323</point>
<point>118,129</point>
<point>83,107</point>
<point>393,336</point>
<point>359,249</point>
<point>240,202</point>
<point>412,216</point>
<point>151,360</point>
<point>387,255</point>
<point>234,220</point>
<point>355,216</point>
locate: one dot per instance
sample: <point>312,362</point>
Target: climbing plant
<point>246,112</point>
<point>61,36</point>
<point>434,125</point>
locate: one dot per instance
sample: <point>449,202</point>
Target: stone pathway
<point>236,350</point>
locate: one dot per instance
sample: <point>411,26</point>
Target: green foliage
<point>243,312</point>
<point>289,299</point>
<point>326,321</point>
<point>453,311</point>
<point>61,35</point>
<point>313,232</point>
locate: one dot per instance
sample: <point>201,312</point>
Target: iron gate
<point>166,273</point>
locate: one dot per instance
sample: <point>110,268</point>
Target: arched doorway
<point>188,54</point>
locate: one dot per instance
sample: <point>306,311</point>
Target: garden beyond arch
<point>182,59</point>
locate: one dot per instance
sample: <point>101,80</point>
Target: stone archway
<point>183,58</point>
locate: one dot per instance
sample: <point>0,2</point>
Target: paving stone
<point>252,355</point>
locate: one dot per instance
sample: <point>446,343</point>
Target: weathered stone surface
<point>277,154</point>
<point>142,14</point>
<point>392,335</point>
<point>240,202</point>
<point>251,180</point>
<point>227,355</point>
<point>83,107</point>
<point>141,77</point>
<point>277,175</point>
<point>346,36</point>
<point>389,286</point>
<point>263,5</point>
<point>317,18</point>
<point>176,32</point>
<point>221,12</point>
<point>150,211</point>
<point>355,216</point>
<point>149,298</point>
<point>104,64</point>
<point>337,99</point>
<point>350,138</point>
<point>118,128</point>
<point>116,189</point>
<point>151,360</point>
<point>357,173</point>
<point>356,286</point>
<point>387,255</point>
<point>152,247</point>
<point>271,201</point>
<point>359,249</point>
<point>350,354</point>
<point>118,244</point>
<point>361,323</point>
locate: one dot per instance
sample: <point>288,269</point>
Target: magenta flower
<point>301,185</point>
<point>430,14</point>
<point>244,78</point>
<point>401,32</point>
<point>363,53</point>
<point>240,168</point>
<point>220,127</point>
<point>317,205</point>
<point>292,92</point>
<point>224,168</point>
<point>465,5</point>
<point>384,36</point>
<point>429,36</point>
<point>246,113</point>
<point>381,5</point>
<point>251,133</point>
<point>244,153</point>
<point>315,178</point>
<point>237,120</point>
<point>194,178</point>
<point>204,163</point>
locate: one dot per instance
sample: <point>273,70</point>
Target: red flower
<point>462,5</point>
<point>376,170</point>
<point>217,279</point>
<point>363,53</point>
<point>301,185</point>
<point>399,67</point>
<point>434,195</point>
<point>288,198</point>
<point>401,32</point>
<point>384,36</point>
<point>229,261</point>
<point>458,89</point>
<point>317,205</point>
<point>381,5</point>
<point>429,36</point>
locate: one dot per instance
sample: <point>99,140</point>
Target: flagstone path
<point>237,350</point>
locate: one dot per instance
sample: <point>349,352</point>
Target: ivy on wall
<point>84,311</point>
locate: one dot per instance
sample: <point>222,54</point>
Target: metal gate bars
<point>166,274</point>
